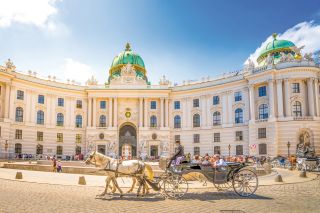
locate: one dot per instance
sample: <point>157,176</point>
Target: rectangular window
<point>196,138</point>
<point>59,137</point>
<point>59,150</point>
<point>40,99</point>
<point>39,136</point>
<point>196,102</point>
<point>216,100</point>
<point>60,102</point>
<point>196,150</point>
<point>237,96</point>
<point>262,149</point>
<point>18,134</point>
<point>295,88</point>
<point>262,133</point>
<point>153,105</point>
<point>177,138</point>
<point>78,138</point>
<point>176,104</point>
<point>20,95</point>
<point>262,91</point>
<point>216,150</point>
<point>239,150</point>
<point>216,137</point>
<point>239,135</point>
<point>79,104</point>
<point>103,104</point>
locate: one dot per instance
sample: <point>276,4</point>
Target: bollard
<point>278,178</point>
<point>82,180</point>
<point>19,175</point>
<point>303,174</point>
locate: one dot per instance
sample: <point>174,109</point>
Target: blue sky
<point>182,39</point>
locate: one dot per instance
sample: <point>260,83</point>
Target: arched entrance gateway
<point>128,141</point>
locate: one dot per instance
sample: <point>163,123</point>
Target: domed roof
<point>127,57</point>
<point>275,46</point>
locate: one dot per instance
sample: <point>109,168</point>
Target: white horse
<point>132,168</point>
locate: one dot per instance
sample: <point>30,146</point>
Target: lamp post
<point>229,147</point>
<point>288,145</point>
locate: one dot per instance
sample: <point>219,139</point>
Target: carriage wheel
<point>245,182</point>
<point>175,186</point>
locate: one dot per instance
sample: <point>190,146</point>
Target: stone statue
<point>283,57</point>
<point>10,66</point>
<point>304,148</point>
<point>308,56</point>
<point>269,59</point>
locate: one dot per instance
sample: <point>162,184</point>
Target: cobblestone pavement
<point>16,196</point>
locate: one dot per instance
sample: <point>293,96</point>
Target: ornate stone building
<point>255,111</point>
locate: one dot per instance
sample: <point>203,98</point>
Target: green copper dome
<point>127,57</point>
<point>274,47</point>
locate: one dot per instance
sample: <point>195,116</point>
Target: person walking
<point>54,164</point>
<point>59,166</point>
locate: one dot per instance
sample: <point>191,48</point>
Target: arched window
<point>60,119</point>
<point>263,111</point>
<point>216,118</point>
<point>18,148</point>
<point>177,121</point>
<point>296,109</point>
<point>102,121</point>
<point>196,120</point>
<point>153,121</point>
<point>239,116</point>
<point>39,149</point>
<point>78,121</point>
<point>19,114</point>
<point>40,117</point>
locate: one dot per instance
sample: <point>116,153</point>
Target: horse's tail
<point>149,171</point>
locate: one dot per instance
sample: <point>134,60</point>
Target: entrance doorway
<point>128,141</point>
<point>102,149</point>
<point>154,151</point>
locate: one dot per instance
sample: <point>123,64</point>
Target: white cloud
<point>33,12</point>
<point>75,70</point>
<point>304,33</point>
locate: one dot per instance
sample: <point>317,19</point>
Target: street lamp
<point>229,147</point>
<point>288,145</point>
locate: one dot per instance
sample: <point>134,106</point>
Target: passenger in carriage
<point>220,162</point>
<point>196,160</point>
<point>177,157</point>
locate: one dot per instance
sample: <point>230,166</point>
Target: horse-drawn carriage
<point>172,182</point>
<point>243,180</point>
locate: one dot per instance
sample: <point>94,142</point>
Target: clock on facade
<point>101,136</point>
<point>128,114</point>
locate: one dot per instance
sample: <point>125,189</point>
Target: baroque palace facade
<point>255,111</point>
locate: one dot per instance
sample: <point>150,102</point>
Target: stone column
<point>67,115</point>
<point>140,112</point>
<point>252,104</point>
<point>53,110</point>
<point>166,112</point>
<point>310,96</point>
<point>184,113</point>
<point>33,108</point>
<point>94,112</point>
<point>110,112</point>
<point>115,122</point>
<point>161,112</point>
<point>230,113</point>
<point>189,113</point>
<point>89,112</point>
<point>316,85</point>
<point>145,110</point>
<point>287,97</point>
<point>224,101</point>
<point>72,115</point>
<point>11,105</point>
<point>7,101</point>
<point>279,98</point>
<point>271,99</point>
<point>203,106</point>
<point>47,115</point>
<point>28,107</point>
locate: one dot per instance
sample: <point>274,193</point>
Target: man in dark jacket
<point>179,153</point>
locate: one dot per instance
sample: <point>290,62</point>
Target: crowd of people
<point>215,160</point>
